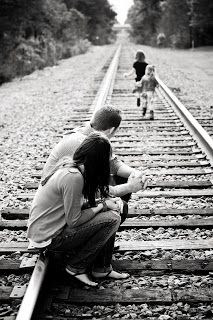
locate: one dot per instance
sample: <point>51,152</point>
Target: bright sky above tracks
<point>121,7</point>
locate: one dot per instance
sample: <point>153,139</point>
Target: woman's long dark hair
<point>94,153</point>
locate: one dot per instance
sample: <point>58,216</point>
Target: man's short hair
<point>105,118</point>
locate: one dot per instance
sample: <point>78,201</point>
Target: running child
<point>148,84</point>
<point>138,69</point>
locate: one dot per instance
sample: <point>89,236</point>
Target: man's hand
<point>137,181</point>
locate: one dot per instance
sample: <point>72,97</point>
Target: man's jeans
<point>102,262</point>
<point>91,242</point>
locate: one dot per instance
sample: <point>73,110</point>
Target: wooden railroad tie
<point>12,214</point>
<point>129,224</point>
<point>132,296</point>
<point>149,194</point>
<point>166,244</point>
<point>157,184</point>
<point>164,171</point>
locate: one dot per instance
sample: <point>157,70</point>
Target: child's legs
<point>144,103</point>
<point>83,243</point>
<point>150,100</point>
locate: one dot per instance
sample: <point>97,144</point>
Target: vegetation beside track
<point>37,33</point>
<point>172,23</point>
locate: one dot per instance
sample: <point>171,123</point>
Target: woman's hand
<point>112,203</point>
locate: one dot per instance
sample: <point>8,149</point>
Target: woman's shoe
<point>82,277</point>
<point>110,275</point>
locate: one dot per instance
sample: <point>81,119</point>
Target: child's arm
<point>140,83</point>
<point>130,73</point>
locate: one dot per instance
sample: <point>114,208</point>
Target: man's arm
<point>137,181</point>
<point>119,168</point>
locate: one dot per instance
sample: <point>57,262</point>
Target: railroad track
<point>166,244</point>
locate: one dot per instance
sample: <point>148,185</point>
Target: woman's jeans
<point>90,244</point>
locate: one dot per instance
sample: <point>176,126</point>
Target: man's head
<point>106,119</point>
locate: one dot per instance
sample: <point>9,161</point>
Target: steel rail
<point>31,295</point>
<point>203,139</point>
<point>107,83</point>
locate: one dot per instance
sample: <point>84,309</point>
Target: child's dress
<point>148,85</point>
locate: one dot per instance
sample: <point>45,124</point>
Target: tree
<point>35,33</point>
<point>201,22</point>
<point>144,17</point>
<point>174,23</point>
<point>100,18</point>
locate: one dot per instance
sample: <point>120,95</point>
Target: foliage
<point>161,39</point>
<point>36,33</point>
<point>201,22</point>
<point>175,23</point>
<point>100,18</point>
<point>181,22</point>
<point>143,17</point>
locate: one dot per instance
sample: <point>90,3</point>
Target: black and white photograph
<point>106,159</point>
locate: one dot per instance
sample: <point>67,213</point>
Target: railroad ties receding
<point>178,197</point>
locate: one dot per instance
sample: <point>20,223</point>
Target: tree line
<point>174,23</point>
<point>37,33</point>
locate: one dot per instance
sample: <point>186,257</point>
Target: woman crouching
<point>65,215</point>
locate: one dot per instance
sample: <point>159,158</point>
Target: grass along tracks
<point>169,225</point>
